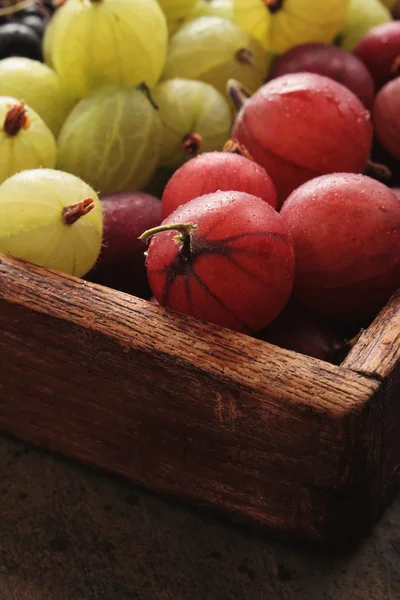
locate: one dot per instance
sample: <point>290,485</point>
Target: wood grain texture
<point>377,355</point>
<point>188,408</point>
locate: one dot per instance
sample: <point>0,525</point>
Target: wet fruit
<point>386,117</point>
<point>323,59</point>
<point>379,49</point>
<point>346,234</point>
<point>226,258</point>
<point>217,171</point>
<point>302,125</point>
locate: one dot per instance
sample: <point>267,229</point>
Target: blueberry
<point>17,39</point>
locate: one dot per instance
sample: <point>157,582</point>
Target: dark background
<point>71,533</point>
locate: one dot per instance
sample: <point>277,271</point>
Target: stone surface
<point>71,533</point>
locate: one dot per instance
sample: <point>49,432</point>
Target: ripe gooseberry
<point>379,50</point>
<point>217,171</point>
<point>346,234</point>
<point>330,61</point>
<point>386,117</point>
<point>361,16</point>
<point>303,125</point>
<point>232,262</point>
<point>121,264</point>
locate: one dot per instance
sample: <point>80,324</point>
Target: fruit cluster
<point>234,160</point>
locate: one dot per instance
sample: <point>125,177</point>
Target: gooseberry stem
<point>185,229</point>
<point>16,119</point>
<point>244,56</point>
<point>191,143</point>
<point>72,213</point>
<point>234,147</point>
<point>237,93</point>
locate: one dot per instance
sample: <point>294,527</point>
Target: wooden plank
<point>187,408</point>
<point>377,355</point>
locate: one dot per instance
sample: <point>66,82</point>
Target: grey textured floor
<point>70,533</point>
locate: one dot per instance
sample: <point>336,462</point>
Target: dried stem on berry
<point>233,147</point>
<point>72,213</point>
<point>273,5</point>
<point>244,56</point>
<point>16,119</point>
<point>191,143</point>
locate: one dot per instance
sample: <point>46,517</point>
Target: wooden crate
<point>305,448</point>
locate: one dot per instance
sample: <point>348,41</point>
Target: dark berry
<point>29,12</point>
<point>17,39</point>
<point>38,24</point>
<point>49,6</point>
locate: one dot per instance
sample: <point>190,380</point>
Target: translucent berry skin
<point>331,62</point>
<point>33,146</point>
<point>213,49</point>
<point>107,42</point>
<point>386,117</point>
<point>39,86</point>
<point>361,16</point>
<point>32,225</point>
<point>379,50</point>
<point>186,107</point>
<point>346,235</point>
<point>111,139</point>
<point>303,125</point>
<point>216,171</point>
<point>176,12</point>
<point>239,269</point>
